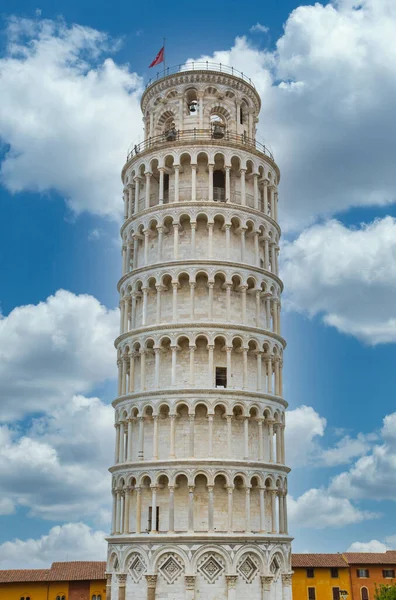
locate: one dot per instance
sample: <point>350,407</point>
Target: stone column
<point>123,376</point>
<point>137,194</point>
<point>143,368</point>
<point>273,510</point>
<point>127,509</point>
<point>148,179</point>
<point>231,586</point>
<point>138,509</point>
<point>285,524</point>
<point>210,240</point>
<point>247,509</point>
<point>229,436</point>
<point>242,232</point>
<point>129,449</point>
<point>266,253</point>
<point>175,241</point>
<point>210,507</point>
<point>118,511</point>
<point>228,240</point>
<point>171,509</point>
<point>157,354</point>
<point>228,302</point>
<point>151,585</point>
<point>230,490</point>
<point>246,438</point>
<point>269,374</point>
<point>191,419</point>
<point>190,508</point>
<point>245,367</point>
<point>141,438</point>
<point>146,234</point>
<point>210,365</point>
<point>119,365</point>
<point>172,436</point>
<point>280,513</point>
<point>124,259</point>
<point>210,428</point>
<point>228,351</point>
<point>161,184</point>
<point>122,442</point>
<point>287,586</point>
<point>108,586</point>
<point>117,443</point>
<point>131,372</point>
<point>114,513</point>
<point>210,300</point>
<point>193,182</point>
<point>243,289</point>
<point>266,584</point>
<point>243,187</point>
<point>210,192</point>
<point>192,300</point>
<point>175,286</point>
<point>128,257</point>
<point>227,183</point>
<point>192,365</point>
<point>155,437</point>
<point>144,308</point>
<point>258,308</point>
<point>271,439</point>
<point>174,362</point>
<point>160,240</point>
<point>256,248</point>
<point>262,510</point>
<point>255,190</point>
<point>260,438</point>
<point>259,373</point>
<point>121,585</point>
<point>177,168</point>
<point>159,289</point>
<point>154,509</point>
<point>193,230</point>
<point>190,586</point>
<point>133,310</point>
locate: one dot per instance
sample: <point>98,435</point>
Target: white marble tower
<point>199,477</point>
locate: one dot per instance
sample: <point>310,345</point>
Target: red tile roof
<point>318,560</point>
<point>59,571</point>
<point>371,558</point>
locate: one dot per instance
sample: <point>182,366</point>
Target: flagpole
<point>164,58</point>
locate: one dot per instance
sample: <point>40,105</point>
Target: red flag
<point>159,58</point>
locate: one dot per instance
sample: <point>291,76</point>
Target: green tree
<point>385,592</point>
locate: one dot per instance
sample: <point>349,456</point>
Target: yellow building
<point>82,580</point>
<point>320,576</point>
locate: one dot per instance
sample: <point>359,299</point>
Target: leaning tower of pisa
<point>199,479</point>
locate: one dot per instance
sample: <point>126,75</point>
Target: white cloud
<point>67,114</point>
<point>372,476</point>
<point>304,426</point>
<point>318,509</point>
<point>347,275</point>
<point>259,28</point>
<point>68,542</point>
<point>328,110</point>
<point>57,468</point>
<point>347,449</point>
<point>372,546</point>
<point>53,350</point>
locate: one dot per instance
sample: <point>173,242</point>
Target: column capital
<point>191,489</point>
<point>193,224</point>
<point>231,581</point>
<point>151,581</point>
<point>154,487</point>
<point>190,582</point>
<point>121,578</point>
<point>287,578</point>
<point>210,488</point>
<point>191,417</point>
<point>230,489</point>
<point>192,348</point>
<point>266,581</point>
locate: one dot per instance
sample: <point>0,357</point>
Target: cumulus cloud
<point>52,350</point>
<point>373,476</point>
<point>57,468</point>
<point>68,114</point>
<point>326,272</point>
<point>66,542</point>
<point>371,546</point>
<point>304,427</point>
<point>259,28</point>
<point>317,509</point>
<point>327,93</point>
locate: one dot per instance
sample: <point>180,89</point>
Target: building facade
<point>320,577</point>
<point>199,479</point>
<point>369,570</point>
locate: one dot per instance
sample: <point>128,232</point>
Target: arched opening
<point>220,511</point>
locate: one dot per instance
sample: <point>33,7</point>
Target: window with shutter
<point>388,573</point>
<point>336,593</point>
<point>362,573</point>
<point>334,572</point>
<point>364,593</point>
<point>311,593</point>
<point>310,572</point>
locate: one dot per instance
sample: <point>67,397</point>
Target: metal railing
<point>192,135</point>
<point>200,66</point>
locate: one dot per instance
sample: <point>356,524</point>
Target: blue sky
<point>70,81</point>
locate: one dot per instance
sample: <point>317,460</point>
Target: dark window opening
<point>221,377</point>
<point>334,572</point>
<point>311,593</point>
<point>310,572</point>
<point>362,573</point>
<point>388,573</point>
<point>150,518</point>
<point>262,263</point>
<point>364,593</point>
<point>336,593</point>
<point>218,185</point>
<point>166,187</point>
<point>241,116</point>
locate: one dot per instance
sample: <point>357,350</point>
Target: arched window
<point>218,185</point>
<point>59,597</point>
<point>96,597</point>
<point>364,593</point>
